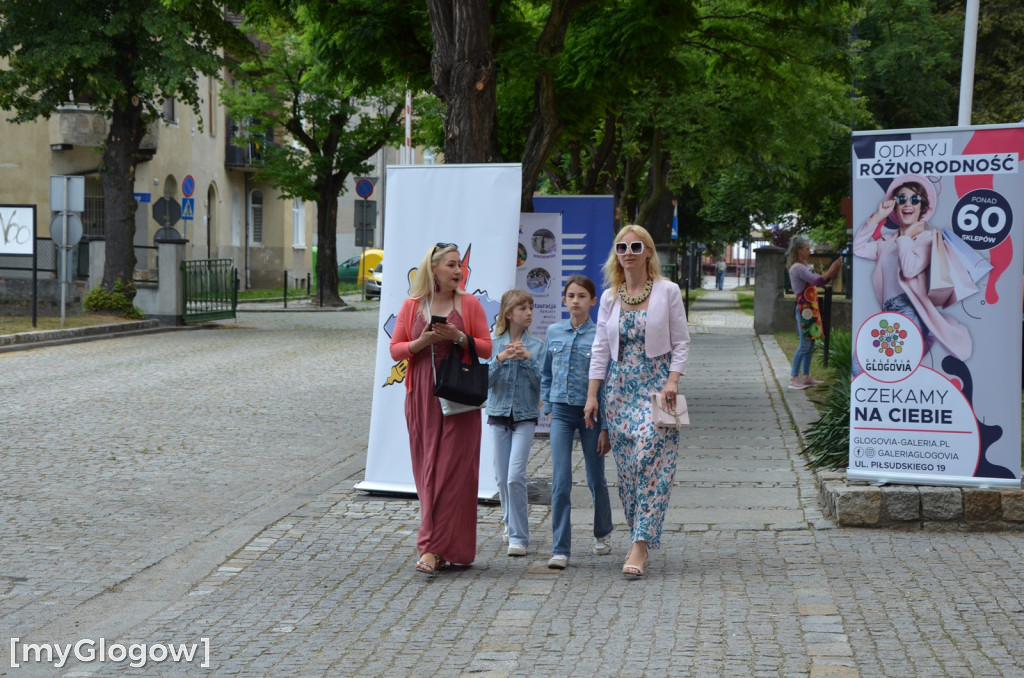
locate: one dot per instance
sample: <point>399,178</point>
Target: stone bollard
<point>768,286</point>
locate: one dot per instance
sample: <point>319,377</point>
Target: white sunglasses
<point>636,247</point>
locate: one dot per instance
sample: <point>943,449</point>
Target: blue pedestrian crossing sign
<point>188,208</point>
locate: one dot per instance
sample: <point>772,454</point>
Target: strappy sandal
<point>634,571</point>
<point>428,569</point>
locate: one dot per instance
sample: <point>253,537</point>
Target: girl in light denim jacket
<point>513,406</point>
<point>564,379</point>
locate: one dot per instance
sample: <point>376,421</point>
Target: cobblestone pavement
<point>180,486</point>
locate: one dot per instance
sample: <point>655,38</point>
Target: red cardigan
<point>473,316</point>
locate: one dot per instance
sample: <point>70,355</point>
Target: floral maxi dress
<point>645,455</point>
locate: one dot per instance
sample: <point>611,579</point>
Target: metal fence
<point>210,288</point>
<point>48,258</point>
<point>147,268</point>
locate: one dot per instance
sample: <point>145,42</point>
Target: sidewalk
<point>752,580</point>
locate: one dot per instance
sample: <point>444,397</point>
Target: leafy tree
<point>123,57</point>
<point>737,100</point>
<point>645,99</point>
<point>908,66</point>
<point>333,126</point>
<point>999,62</point>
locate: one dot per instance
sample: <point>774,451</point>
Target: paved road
<point>198,484</point>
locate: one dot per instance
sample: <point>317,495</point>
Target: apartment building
<point>194,161</point>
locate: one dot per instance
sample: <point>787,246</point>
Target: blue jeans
<point>565,421</point>
<point>804,352</point>
<point>720,280</point>
<point>511,452</point>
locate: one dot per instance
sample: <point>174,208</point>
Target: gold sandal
<point>635,571</point>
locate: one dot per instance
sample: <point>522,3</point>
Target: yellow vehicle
<point>353,271</point>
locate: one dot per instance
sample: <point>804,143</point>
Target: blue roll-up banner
<point>588,226</point>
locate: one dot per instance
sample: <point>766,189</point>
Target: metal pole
<point>967,67</point>
<point>407,147</point>
<point>64,256</point>
<point>826,321</point>
<point>286,289</point>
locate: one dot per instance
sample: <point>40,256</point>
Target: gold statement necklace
<point>635,300</point>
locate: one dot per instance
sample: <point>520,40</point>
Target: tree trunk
<point>327,245</point>
<point>547,126</point>
<point>118,180</point>
<point>656,180</point>
<point>604,155</point>
<point>464,77</point>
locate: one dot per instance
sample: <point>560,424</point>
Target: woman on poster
<point>903,257</point>
<point>445,449</point>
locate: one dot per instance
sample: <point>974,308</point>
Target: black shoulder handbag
<point>460,386</point>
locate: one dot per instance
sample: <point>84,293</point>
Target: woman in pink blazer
<point>903,261</point>
<point>640,349</point>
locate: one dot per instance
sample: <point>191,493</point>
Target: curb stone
<point>77,333</point>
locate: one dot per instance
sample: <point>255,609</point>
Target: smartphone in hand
<point>437,320</point>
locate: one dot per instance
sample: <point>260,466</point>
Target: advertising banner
<point>539,267</point>
<point>539,271</point>
<point>17,229</point>
<point>477,208</point>
<point>588,226</point>
<point>937,298</point>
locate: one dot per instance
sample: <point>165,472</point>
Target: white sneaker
<point>504,536</point>
<point>516,550</point>
<point>797,384</point>
<point>558,562</point>
<point>603,546</point>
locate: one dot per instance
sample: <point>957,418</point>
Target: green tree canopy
<point>123,58</point>
<point>332,125</point>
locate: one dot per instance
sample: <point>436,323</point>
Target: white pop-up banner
<point>477,208</point>
<point>936,393</point>
<point>539,272</point>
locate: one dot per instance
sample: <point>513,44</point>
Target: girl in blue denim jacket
<point>513,406</point>
<point>563,384</point>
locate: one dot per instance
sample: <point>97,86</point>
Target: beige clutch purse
<point>666,417</point>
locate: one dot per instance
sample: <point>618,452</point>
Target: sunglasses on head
<point>444,245</point>
<point>902,199</point>
<point>635,247</point>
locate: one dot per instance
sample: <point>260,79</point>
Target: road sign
<point>143,197</point>
<point>166,234</point>
<point>364,188</point>
<point>365,220</point>
<point>73,186</point>
<point>188,208</point>
<point>74,230</point>
<point>188,186</point>
<point>166,211</point>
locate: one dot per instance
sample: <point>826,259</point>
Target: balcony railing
<point>248,156</point>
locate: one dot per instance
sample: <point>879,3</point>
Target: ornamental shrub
<point>828,439</point>
<point>118,301</point>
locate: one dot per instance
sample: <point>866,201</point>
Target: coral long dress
<point>445,460</point>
